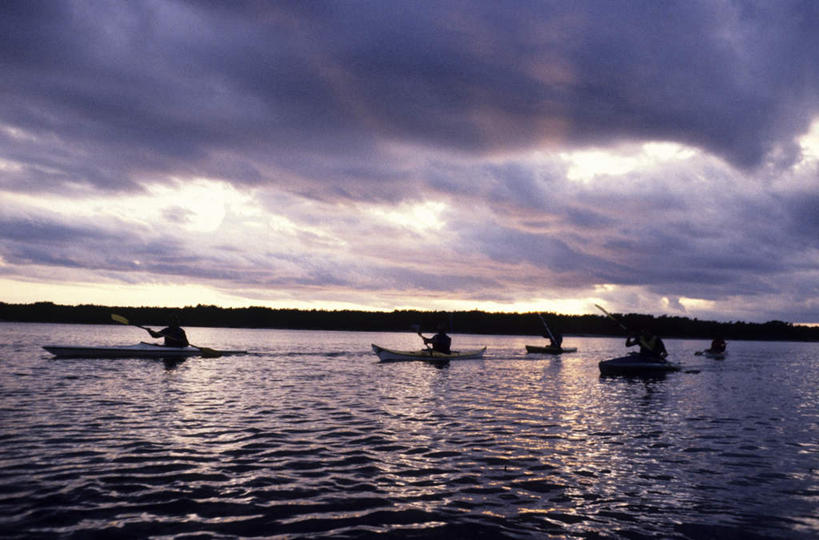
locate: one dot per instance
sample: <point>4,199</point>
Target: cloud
<point>381,151</point>
<point>253,92</point>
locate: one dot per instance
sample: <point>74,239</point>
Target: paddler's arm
<point>155,334</point>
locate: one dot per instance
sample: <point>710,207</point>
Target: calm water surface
<point>309,436</point>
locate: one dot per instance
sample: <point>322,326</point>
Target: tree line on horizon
<point>466,322</point>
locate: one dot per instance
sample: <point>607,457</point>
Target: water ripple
<point>327,443</point>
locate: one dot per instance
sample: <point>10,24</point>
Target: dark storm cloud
<point>256,91</point>
<point>802,210</point>
<point>735,78</point>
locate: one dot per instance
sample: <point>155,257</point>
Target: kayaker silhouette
<point>173,334</point>
<point>650,345</point>
<point>440,342</point>
<point>555,339</point>
<point>718,345</point>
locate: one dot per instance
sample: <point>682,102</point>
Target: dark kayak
<point>549,349</point>
<point>636,364</point>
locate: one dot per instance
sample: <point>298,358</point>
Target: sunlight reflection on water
<point>308,435</point>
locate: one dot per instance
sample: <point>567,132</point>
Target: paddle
<point>551,337</point>
<point>206,352</point>
<point>612,317</point>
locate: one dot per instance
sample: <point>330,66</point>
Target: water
<point>310,437</point>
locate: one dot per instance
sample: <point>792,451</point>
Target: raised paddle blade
<point>613,318</point>
<point>122,320</point>
<point>546,326</point>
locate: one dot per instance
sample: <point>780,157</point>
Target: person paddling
<point>555,339</point>
<point>718,345</point>
<point>440,342</point>
<point>173,334</point>
<point>650,345</point>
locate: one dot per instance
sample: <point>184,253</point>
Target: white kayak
<point>426,355</point>
<point>549,349</point>
<point>636,364</point>
<point>140,350</point>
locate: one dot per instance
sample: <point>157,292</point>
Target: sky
<point>651,157</point>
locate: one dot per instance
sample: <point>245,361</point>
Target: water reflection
<point>311,437</point>
<point>172,363</point>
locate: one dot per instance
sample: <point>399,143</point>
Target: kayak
<point>712,354</point>
<point>426,355</point>
<point>140,350</point>
<point>549,349</point>
<point>636,364</point>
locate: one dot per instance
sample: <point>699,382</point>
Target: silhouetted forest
<point>467,322</point>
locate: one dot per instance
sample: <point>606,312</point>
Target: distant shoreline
<point>465,322</point>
